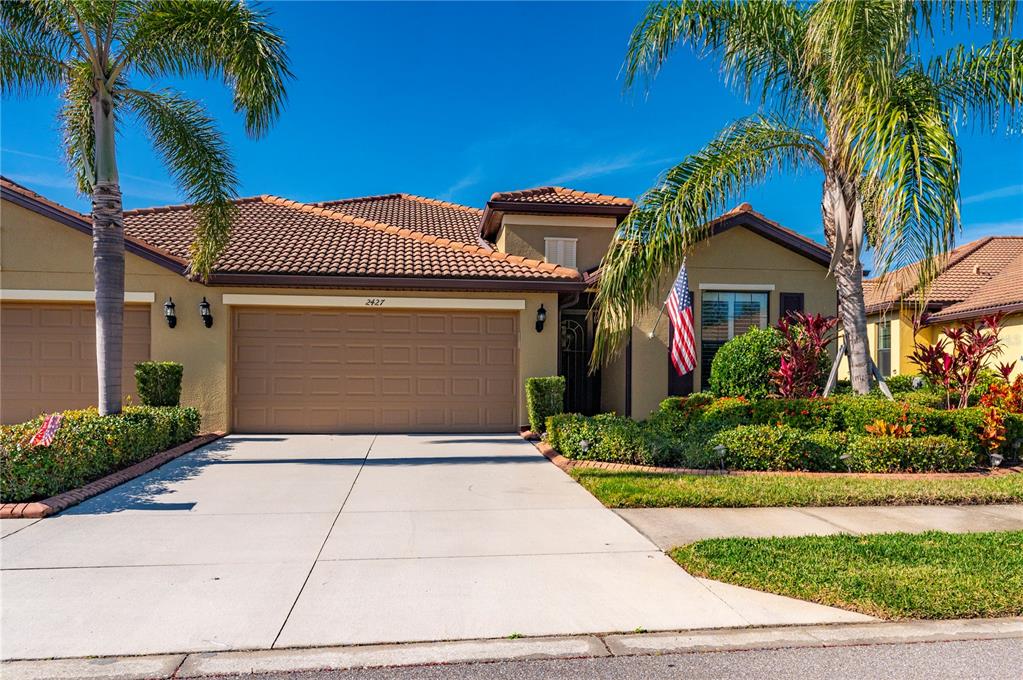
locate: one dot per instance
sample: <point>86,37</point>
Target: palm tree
<point>843,91</point>
<point>92,51</point>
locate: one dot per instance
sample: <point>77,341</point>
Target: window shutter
<point>560,251</point>
<point>789,302</point>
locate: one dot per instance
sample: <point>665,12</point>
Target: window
<point>884,347</point>
<point>560,251</point>
<point>789,302</point>
<point>723,315</point>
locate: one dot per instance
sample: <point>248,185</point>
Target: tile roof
<point>276,236</point>
<point>559,195</point>
<point>803,244</point>
<point>1003,291</point>
<point>970,273</point>
<point>427,215</point>
<point>25,192</point>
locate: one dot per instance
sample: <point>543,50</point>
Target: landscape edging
<point>567,463</point>
<point>63,501</point>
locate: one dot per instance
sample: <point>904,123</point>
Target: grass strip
<point>934,575</point>
<point>646,490</point>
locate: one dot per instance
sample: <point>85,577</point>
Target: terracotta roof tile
<point>1003,290</point>
<point>967,270</point>
<point>559,195</point>
<point>426,215</point>
<point>274,235</point>
<point>11,185</point>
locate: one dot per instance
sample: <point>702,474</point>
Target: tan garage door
<point>306,370</point>
<point>48,354</point>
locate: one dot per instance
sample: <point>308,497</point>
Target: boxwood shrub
<point>159,382</point>
<point>86,447</point>
<point>742,366</point>
<point>545,397</point>
<point>780,447</point>
<point>939,453</point>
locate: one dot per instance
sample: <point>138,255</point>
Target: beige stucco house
<point>391,313</point>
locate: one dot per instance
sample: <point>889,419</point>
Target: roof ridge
<point>564,191</point>
<point>19,188</point>
<point>182,206</point>
<point>443,204</point>
<point>617,200</point>
<point>458,246</point>
<point>358,199</point>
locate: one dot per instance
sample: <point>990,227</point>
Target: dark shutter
<point>789,302</point>
<point>678,385</point>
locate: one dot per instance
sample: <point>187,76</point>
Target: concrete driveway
<point>256,542</point>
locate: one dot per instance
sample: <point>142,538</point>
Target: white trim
<point>68,295</point>
<point>371,302</point>
<point>726,287</point>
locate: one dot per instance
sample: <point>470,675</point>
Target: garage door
<point>314,370</point>
<point>48,355</point>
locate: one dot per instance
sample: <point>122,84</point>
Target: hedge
<point>86,447</point>
<point>159,382</point>
<point>909,454</point>
<point>771,447</point>
<point>545,397</point>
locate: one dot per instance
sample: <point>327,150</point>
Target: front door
<point>582,390</point>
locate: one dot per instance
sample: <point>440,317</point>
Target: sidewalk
<point>672,527</point>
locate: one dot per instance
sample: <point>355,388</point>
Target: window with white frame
<point>724,315</point>
<point>560,251</point>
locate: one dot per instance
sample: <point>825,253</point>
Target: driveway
<point>256,542</point>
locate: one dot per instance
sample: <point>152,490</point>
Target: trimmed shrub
<point>804,414</point>
<point>86,447</point>
<point>159,382</point>
<point>545,397</point>
<point>742,366</point>
<point>939,453</point>
<point>606,437</point>
<point>780,447</point>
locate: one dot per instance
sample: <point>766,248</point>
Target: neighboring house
<point>390,313</point>
<point>978,278</point>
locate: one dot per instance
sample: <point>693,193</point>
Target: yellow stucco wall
<point>735,258</point>
<point>37,253</point>
<point>524,235</point>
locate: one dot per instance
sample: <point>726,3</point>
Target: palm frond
<point>77,126</point>
<point>983,84</point>
<point>194,150</point>
<point>759,43</point>
<point>910,169</point>
<point>216,37</point>
<point>671,218</point>
<point>1000,15</point>
<point>30,64</point>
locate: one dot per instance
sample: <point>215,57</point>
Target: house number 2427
<point>375,302</point>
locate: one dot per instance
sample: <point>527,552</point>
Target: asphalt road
<point>991,659</point>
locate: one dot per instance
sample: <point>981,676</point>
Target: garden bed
<point>933,575</point>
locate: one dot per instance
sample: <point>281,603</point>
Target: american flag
<point>680,311</point>
<point>47,431</point>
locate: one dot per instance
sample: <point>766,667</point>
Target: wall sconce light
<point>541,317</point>
<point>168,313</point>
<point>204,312</point>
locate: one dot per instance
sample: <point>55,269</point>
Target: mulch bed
<point>55,504</point>
<point>567,464</point>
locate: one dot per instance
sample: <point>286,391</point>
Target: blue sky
<point>457,101</point>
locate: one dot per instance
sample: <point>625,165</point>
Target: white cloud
<point>469,179</point>
<point>607,166</point>
<point>1003,192</point>
<point>971,232</point>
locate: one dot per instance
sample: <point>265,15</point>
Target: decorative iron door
<point>582,390</point>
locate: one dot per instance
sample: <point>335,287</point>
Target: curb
<point>205,664</point>
<point>63,501</point>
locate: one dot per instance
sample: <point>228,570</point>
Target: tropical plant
<point>847,95</point>
<point>92,51</point>
<point>805,345</point>
<point>957,361</point>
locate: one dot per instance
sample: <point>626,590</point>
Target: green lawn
<point>647,490</point>
<point>894,576</point>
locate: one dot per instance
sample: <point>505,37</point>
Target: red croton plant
<point>1000,398</point>
<point>955,361</point>
<point>806,340</point>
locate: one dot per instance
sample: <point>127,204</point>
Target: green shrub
<point>742,366</point>
<point>939,453</point>
<point>545,397</point>
<point>606,437</point>
<point>804,414</point>
<point>674,415</point>
<point>899,384</point>
<point>779,447</point>
<point>87,446</point>
<point>159,382</point>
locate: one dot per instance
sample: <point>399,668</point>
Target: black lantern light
<point>205,313</point>
<point>168,313</point>
<point>541,317</point>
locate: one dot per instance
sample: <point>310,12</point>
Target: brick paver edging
<point>566,464</point>
<point>65,500</point>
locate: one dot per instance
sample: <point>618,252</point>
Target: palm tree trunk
<point>849,282</point>
<point>108,256</point>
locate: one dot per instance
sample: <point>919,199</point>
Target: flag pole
<point>661,313</point>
